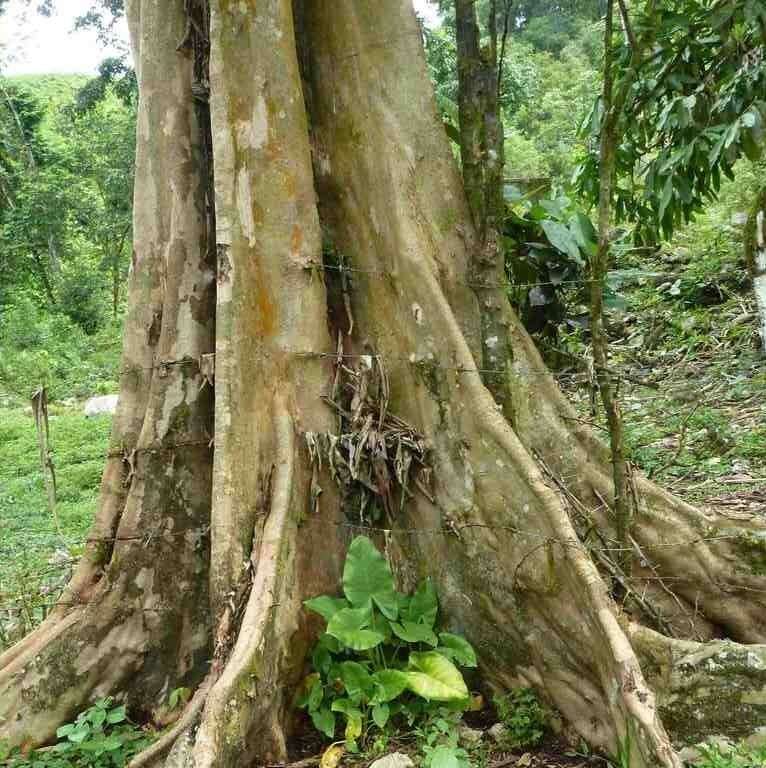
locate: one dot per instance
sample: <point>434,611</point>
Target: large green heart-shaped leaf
<point>562,239</point>
<point>326,606</point>
<point>367,577</point>
<point>457,648</point>
<point>389,683</point>
<point>324,721</point>
<point>356,679</point>
<point>380,715</point>
<point>444,757</point>
<point>423,605</point>
<point>414,633</point>
<point>349,626</point>
<point>435,677</point>
<point>353,717</point>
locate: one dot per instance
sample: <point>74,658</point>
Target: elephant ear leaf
<point>414,633</point>
<point>435,678</point>
<point>457,648</point>
<point>349,625</point>
<point>389,684</point>
<point>325,606</point>
<point>324,721</point>
<point>367,577</point>
<point>423,605</point>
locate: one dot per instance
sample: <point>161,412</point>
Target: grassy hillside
<point>34,561</point>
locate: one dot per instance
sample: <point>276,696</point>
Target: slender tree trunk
<point>481,152</point>
<point>755,256</point>
<point>208,558</point>
<point>599,267</point>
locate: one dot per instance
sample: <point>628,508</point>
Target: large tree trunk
<point>205,557</point>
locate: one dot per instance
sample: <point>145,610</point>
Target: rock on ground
<point>394,760</point>
<point>98,406</point>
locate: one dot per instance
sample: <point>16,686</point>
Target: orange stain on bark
<point>296,241</point>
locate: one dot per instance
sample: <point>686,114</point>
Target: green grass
<point>29,540</point>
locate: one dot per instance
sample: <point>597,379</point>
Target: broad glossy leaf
<point>349,626</point>
<point>367,577</point>
<point>435,678</point>
<point>411,632</point>
<point>583,232</point>
<point>315,696</point>
<point>356,679</point>
<point>423,605</point>
<point>389,683</point>
<point>561,238</point>
<point>325,606</point>
<point>380,715</point>
<point>458,648</point>
<point>443,757</point>
<point>117,715</point>
<point>353,717</point>
<point>324,721</point>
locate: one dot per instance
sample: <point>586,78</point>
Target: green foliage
<point>42,347</point>
<point>437,739</point>
<point>66,180</point>
<point>34,563</point>
<point>523,716</point>
<point>381,656</point>
<point>714,756</point>
<point>178,697</point>
<point>549,242</point>
<point>694,106</point>
<point>100,737</point>
<point>546,95</point>
<point>546,87</point>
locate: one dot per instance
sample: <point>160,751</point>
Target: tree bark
<point>608,387</point>
<point>755,256</point>
<point>482,156</point>
<point>508,534</point>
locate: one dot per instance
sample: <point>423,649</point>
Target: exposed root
<point>244,695</point>
<point>188,718</point>
<point>717,688</point>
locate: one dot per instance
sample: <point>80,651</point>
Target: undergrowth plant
<point>522,716</point>
<point>381,658</point>
<point>715,756</point>
<point>100,737</point>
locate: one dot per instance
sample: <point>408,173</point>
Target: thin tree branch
<point>501,58</point>
<point>628,28</point>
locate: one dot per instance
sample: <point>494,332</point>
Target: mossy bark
<point>501,538</point>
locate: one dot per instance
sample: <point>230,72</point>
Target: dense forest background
<point>681,315</point>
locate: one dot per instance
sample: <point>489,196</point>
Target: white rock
<point>739,218</point>
<point>394,760</point>
<point>497,732</point>
<point>97,406</point>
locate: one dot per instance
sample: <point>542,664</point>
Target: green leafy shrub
<point>42,347</point>
<point>438,739</point>
<point>381,657</point>
<point>523,717</point>
<point>100,737</point>
<point>714,756</point>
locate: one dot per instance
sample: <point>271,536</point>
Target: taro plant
<point>381,657</point>
<point>100,737</point>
